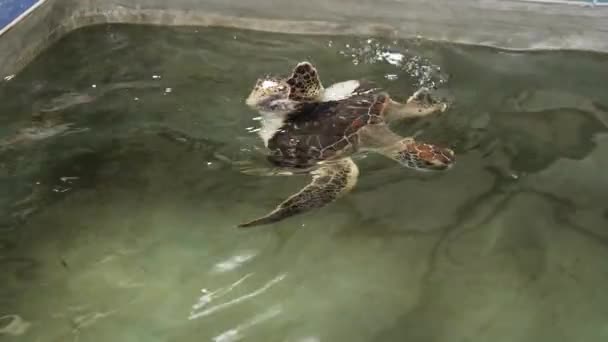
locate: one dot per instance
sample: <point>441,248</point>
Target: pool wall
<point>29,26</point>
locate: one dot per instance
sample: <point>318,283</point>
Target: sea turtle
<point>309,129</point>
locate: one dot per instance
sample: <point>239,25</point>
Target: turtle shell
<point>324,130</point>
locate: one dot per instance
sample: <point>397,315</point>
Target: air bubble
<point>391,77</point>
<point>371,51</point>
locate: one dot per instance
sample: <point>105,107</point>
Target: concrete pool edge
<point>505,24</point>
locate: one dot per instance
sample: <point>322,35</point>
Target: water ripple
<point>206,298</point>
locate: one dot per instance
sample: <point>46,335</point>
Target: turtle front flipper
<point>420,156</point>
<point>304,83</point>
<point>421,103</point>
<point>329,182</point>
<point>252,169</point>
<point>190,142</point>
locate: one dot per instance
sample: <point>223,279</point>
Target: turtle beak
<point>266,90</point>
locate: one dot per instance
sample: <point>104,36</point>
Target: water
<point>109,232</point>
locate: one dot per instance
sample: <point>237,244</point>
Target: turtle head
<point>270,95</point>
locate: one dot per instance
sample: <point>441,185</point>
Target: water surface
<point>109,232</point>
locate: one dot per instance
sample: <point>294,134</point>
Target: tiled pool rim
<point>29,26</point>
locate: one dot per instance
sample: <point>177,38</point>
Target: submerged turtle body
<point>322,131</point>
<point>311,129</point>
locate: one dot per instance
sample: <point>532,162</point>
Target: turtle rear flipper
<point>420,156</point>
<point>329,182</point>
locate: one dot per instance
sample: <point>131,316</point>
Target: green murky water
<point>108,232</point>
